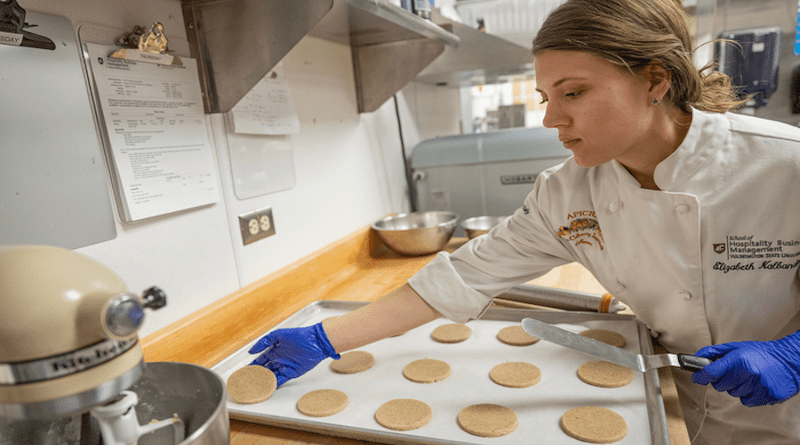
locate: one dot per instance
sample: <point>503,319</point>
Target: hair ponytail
<point>633,33</point>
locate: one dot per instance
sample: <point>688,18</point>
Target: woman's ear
<point>658,77</point>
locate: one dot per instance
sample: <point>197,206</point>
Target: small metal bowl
<point>418,233</point>
<point>479,225</point>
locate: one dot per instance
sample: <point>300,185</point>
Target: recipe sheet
<point>267,108</point>
<point>155,134</point>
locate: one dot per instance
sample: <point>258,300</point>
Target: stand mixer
<point>68,347</point>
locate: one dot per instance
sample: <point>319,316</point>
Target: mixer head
<point>67,333</point>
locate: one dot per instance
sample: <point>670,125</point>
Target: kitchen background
<point>348,166</point>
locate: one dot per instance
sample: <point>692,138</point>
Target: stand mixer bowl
<point>196,395</point>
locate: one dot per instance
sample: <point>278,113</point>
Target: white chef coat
<point>712,257</point>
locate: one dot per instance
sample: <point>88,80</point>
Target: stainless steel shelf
<point>390,45</point>
<point>237,42</point>
<point>480,59</point>
<point>409,25</point>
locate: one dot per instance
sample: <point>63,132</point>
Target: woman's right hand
<point>290,353</point>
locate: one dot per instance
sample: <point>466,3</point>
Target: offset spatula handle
<point>692,362</point>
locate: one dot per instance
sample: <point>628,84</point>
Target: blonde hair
<point>634,33</point>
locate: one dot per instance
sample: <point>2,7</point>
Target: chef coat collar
<point>704,137</point>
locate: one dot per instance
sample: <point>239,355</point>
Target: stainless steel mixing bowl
<point>418,233</point>
<point>195,394</point>
<point>479,225</point>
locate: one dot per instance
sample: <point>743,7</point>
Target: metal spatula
<point>610,353</point>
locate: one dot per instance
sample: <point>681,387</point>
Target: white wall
<point>348,166</point>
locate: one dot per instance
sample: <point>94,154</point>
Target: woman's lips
<point>569,143</point>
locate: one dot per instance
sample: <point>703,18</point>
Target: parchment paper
<point>539,408</point>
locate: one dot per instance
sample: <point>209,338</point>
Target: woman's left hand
<point>759,373</point>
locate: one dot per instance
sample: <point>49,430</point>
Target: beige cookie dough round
<point>605,374</point>
<point>251,384</point>
<point>403,414</point>
<point>516,336</point>
<point>605,336</point>
<point>488,420</point>
<point>427,370</point>
<point>451,333</point>
<point>353,362</point>
<point>515,374</point>
<point>322,402</point>
<point>594,424</point>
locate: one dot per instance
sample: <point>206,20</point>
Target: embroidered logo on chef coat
<point>582,230</point>
<point>719,248</point>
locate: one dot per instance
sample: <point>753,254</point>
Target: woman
<point>683,211</point>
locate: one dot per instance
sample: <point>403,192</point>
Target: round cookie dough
<point>403,414</point>
<point>605,374</point>
<point>353,362</point>
<point>516,336</point>
<point>487,420</point>
<point>451,333</point>
<point>322,402</point>
<point>426,370</point>
<point>594,424</point>
<point>610,337</point>
<point>251,384</point>
<point>515,374</point>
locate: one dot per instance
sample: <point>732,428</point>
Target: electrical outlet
<point>256,225</point>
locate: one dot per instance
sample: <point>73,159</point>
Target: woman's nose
<point>554,116</point>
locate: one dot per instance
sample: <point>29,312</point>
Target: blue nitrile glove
<point>759,373</point>
<point>292,352</point>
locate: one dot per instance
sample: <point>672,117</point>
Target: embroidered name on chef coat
<point>583,229</point>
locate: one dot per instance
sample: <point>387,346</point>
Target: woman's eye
<point>573,94</point>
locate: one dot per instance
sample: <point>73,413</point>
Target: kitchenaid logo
<point>64,364</point>
<point>93,356</point>
<point>583,229</point>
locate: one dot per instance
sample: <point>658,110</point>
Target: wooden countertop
<point>356,268</point>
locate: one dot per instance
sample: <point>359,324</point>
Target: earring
<point>655,101</point>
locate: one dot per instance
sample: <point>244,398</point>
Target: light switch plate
<point>256,225</point>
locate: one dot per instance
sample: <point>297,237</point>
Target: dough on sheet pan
<point>594,424</point>
<point>322,402</point>
<point>251,384</point>
<point>605,374</point>
<point>426,370</point>
<point>516,336</point>
<point>610,337</point>
<point>451,333</point>
<point>403,414</point>
<point>515,374</point>
<point>487,420</point>
<point>353,362</point>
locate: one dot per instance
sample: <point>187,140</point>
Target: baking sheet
<point>538,408</point>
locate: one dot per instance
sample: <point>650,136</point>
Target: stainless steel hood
<point>237,42</point>
<point>480,59</point>
<point>389,45</point>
